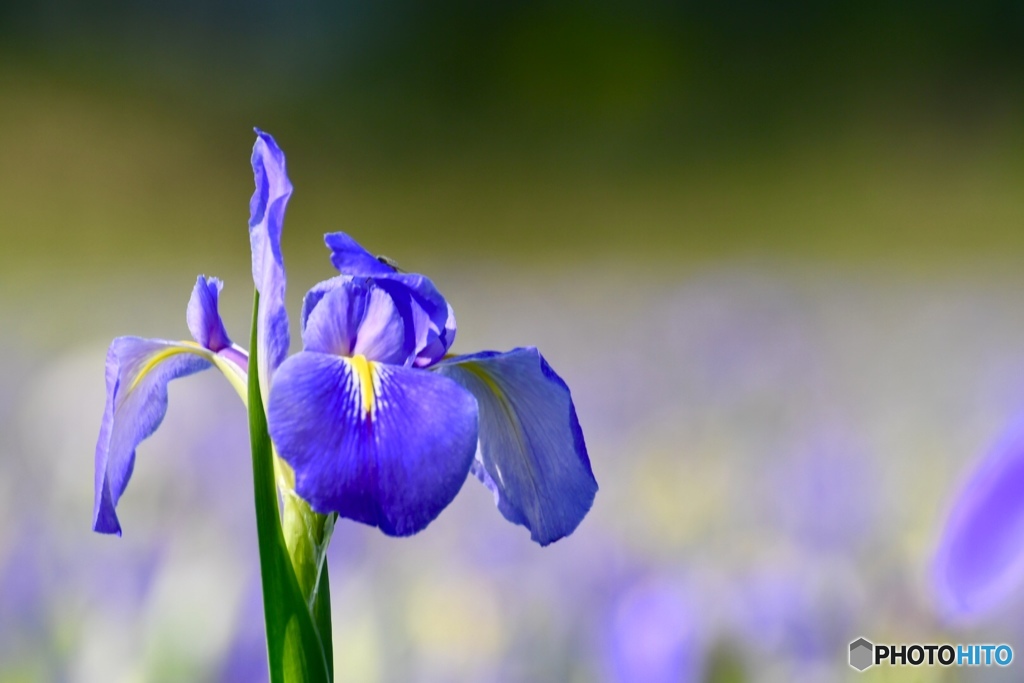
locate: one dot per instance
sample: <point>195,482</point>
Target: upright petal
<point>138,371</point>
<point>383,445</point>
<point>349,257</point>
<point>420,332</point>
<point>359,318</point>
<point>204,317</point>
<point>426,302</point>
<point>532,455</point>
<point>440,333</point>
<point>316,293</point>
<point>980,560</point>
<point>266,221</point>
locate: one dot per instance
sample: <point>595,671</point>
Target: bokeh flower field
<point>782,279</point>
<point>760,504</point>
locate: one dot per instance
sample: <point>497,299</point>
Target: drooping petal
<point>426,302</point>
<point>358,318</point>
<point>383,445</point>
<point>980,559</point>
<point>266,221</point>
<point>532,455</point>
<point>203,316</point>
<point>138,371</point>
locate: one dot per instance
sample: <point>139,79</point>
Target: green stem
<point>298,645</point>
<point>307,534</point>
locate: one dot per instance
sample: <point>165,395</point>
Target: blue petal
<point>383,445</point>
<point>532,454</point>
<point>138,371</point>
<point>438,326</point>
<point>266,221</point>
<point>349,257</point>
<point>980,561</point>
<point>440,337</point>
<point>316,293</point>
<point>420,331</point>
<point>359,318</point>
<point>204,320</point>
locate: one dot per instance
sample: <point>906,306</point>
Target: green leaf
<point>322,616</point>
<point>298,648</point>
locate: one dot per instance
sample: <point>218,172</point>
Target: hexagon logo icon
<point>861,654</point>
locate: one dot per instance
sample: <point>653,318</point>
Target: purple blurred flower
<point>377,423</point>
<point>830,495</point>
<point>801,612</point>
<point>980,559</point>
<point>25,573</point>
<point>246,658</point>
<point>653,636</point>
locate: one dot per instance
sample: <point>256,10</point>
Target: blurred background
<point>775,250</point>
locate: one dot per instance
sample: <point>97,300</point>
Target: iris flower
<point>138,371</point>
<point>374,419</point>
<point>979,565</point>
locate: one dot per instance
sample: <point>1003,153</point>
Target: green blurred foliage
<point>652,131</point>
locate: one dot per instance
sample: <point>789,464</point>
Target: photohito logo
<point>865,654</point>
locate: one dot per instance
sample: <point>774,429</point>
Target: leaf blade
<point>295,649</point>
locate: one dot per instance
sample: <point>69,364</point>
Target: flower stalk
<point>298,643</point>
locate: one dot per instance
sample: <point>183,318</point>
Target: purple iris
<point>653,636</point>
<point>138,371</point>
<point>980,560</point>
<point>378,423</point>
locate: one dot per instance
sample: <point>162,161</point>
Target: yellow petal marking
<point>160,357</point>
<point>510,414</point>
<point>364,373</point>
<point>234,374</point>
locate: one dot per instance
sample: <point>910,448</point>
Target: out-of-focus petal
<point>266,221</point>
<point>358,318</point>
<point>203,316</point>
<point>383,445</point>
<point>532,455</point>
<point>653,636</point>
<point>427,303</point>
<point>138,371</point>
<point>980,560</point>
